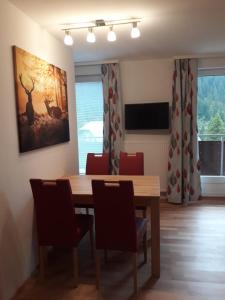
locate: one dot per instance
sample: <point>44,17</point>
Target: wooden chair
<point>132,164</point>
<point>116,227</point>
<point>57,223</point>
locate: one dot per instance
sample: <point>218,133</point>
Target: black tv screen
<point>147,116</point>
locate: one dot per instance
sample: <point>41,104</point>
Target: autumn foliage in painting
<point>41,95</point>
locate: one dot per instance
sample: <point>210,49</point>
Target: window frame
<point>85,79</point>
<point>212,185</point>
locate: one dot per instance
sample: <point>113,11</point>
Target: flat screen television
<point>145,116</point>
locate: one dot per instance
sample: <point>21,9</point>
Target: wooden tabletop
<point>146,188</point>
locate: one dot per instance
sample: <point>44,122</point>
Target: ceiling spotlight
<point>111,35</point>
<point>135,32</point>
<point>68,40</point>
<point>91,36</point>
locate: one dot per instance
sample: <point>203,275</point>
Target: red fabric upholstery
<point>131,164</point>
<point>57,224</point>
<point>97,164</point>
<point>115,223</point>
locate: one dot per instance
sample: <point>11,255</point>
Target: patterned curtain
<point>112,129</point>
<point>183,165</point>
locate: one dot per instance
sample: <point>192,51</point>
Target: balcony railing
<point>211,154</point>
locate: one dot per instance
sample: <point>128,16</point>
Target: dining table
<point>146,194</point>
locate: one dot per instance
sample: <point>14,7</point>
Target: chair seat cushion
<point>84,206</point>
<point>141,207</point>
<point>83,225</point>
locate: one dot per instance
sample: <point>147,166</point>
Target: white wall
<point>17,240</point>
<point>148,81</point>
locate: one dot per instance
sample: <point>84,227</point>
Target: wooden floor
<point>192,263</point>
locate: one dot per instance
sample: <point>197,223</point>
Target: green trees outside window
<point>211,108</point>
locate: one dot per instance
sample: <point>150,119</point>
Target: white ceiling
<point>168,28</point>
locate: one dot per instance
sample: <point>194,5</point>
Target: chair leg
<point>144,211</point>
<point>92,241</point>
<point>75,266</point>
<point>87,210</point>
<point>98,268</point>
<point>105,256</point>
<point>42,251</point>
<point>145,247</point>
<point>135,258</point>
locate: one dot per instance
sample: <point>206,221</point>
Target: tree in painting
<point>41,94</point>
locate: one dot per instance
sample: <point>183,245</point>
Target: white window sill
<point>213,179</point>
<point>213,186</point>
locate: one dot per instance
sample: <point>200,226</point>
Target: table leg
<point>155,237</point>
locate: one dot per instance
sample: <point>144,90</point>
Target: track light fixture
<point>111,37</point>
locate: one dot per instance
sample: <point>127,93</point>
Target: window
<point>211,124</point>
<point>89,106</point>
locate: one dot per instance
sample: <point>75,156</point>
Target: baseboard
<point>203,199</point>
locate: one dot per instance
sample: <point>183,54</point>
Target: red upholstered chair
<point>57,224</point>
<point>132,164</point>
<point>97,164</point>
<point>119,229</point>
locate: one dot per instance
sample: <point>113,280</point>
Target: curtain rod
<point>100,62</point>
<point>221,55</point>
<point>91,63</point>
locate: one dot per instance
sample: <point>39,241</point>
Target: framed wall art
<point>41,102</point>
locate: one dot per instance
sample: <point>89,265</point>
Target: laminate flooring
<point>192,263</point>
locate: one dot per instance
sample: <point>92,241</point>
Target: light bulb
<point>68,40</point>
<point>135,32</point>
<point>91,36</point>
<point>111,35</point>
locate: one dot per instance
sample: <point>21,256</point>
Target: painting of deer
<point>29,105</point>
<point>53,111</point>
<point>41,101</point>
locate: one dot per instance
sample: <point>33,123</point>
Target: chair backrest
<point>55,216</point>
<point>97,164</point>
<point>131,163</point>
<point>115,223</point>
